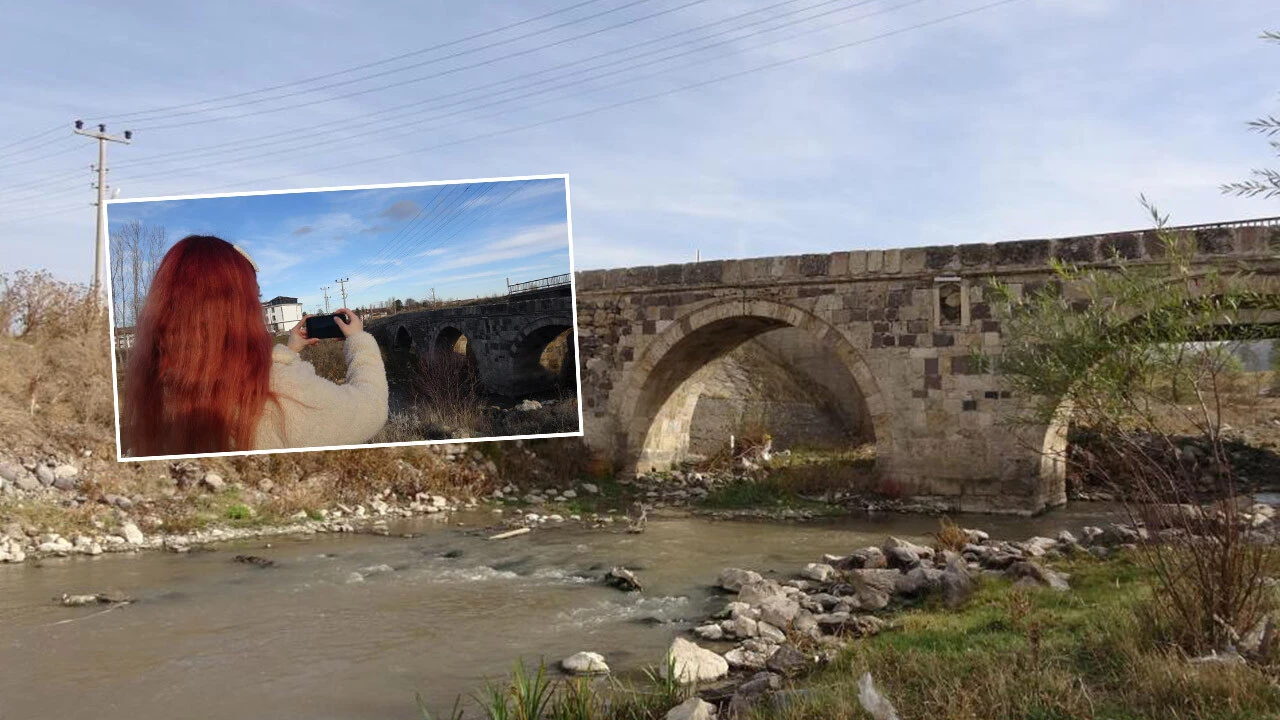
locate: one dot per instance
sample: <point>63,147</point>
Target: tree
<point>1106,349</point>
<point>1265,181</point>
<point>136,251</point>
<point>398,305</point>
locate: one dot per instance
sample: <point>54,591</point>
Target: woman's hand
<point>298,336</point>
<point>348,329</point>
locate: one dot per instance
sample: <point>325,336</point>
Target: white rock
<point>732,579</point>
<point>692,709</point>
<point>585,663</point>
<point>744,627</point>
<point>692,663</point>
<point>770,633</point>
<point>214,482</point>
<point>528,405</point>
<point>590,489</point>
<point>740,659</point>
<point>710,632</point>
<point>132,534</point>
<point>818,572</point>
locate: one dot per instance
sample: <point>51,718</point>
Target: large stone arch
<point>649,403</point>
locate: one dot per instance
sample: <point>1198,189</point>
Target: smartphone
<point>324,326</point>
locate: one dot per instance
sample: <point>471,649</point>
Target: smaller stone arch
<point>527,354</point>
<point>451,338</point>
<point>402,339</point>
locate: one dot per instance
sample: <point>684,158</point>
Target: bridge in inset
<point>886,337</point>
<point>504,337</point>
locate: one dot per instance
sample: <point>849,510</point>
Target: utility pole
<point>100,244</point>
<point>325,290</point>
<point>343,282</point>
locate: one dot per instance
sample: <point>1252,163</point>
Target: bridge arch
<point>530,345</point>
<point>450,339</point>
<point>402,339</point>
<point>658,403</point>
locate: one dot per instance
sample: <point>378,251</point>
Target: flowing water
<point>212,638</point>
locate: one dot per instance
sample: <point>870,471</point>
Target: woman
<point>205,376</point>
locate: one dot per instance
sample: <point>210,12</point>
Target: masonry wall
<point>501,334</point>
<point>938,420</point>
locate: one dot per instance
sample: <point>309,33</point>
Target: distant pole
<point>325,290</point>
<point>343,282</point>
<point>100,243</point>
<point>697,256</point>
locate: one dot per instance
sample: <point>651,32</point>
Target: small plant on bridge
<point>1106,350</point>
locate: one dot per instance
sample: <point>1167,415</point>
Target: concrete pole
<point>100,242</point>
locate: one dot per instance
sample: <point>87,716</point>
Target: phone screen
<point>323,326</point>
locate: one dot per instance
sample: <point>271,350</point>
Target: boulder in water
<point>585,663</point>
<point>623,579</point>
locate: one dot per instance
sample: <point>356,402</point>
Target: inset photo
<point>343,317</point>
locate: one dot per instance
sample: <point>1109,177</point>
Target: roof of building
<point>282,300</point>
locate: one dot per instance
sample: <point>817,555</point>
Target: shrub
<point>1112,350</point>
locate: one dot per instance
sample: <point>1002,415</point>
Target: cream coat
<point>314,412</point>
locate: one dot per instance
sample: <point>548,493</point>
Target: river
<point>212,638</point>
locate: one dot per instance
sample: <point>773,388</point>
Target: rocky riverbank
<point>756,651</point>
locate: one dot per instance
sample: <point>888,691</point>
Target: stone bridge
<point>886,335</point>
<point>503,338</point>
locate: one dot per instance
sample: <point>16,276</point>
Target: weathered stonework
<point>506,336</point>
<point>937,416</point>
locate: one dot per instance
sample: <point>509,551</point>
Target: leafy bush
<point>1123,352</point>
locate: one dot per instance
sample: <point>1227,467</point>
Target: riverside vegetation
<point>1014,645</point>
<point>1172,614</point>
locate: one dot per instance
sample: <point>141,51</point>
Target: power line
<point>651,96</point>
<point>445,218</point>
<point>311,143</point>
<point>401,83</point>
<point>257,156</point>
<point>346,123</point>
<point>644,97</point>
<point>356,68</point>
<point>401,236</point>
<point>55,130</point>
<point>483,213</point>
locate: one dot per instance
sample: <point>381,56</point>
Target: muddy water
<point>211,638</point>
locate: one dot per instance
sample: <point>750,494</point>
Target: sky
<point>462,240</point>
<point>686,126</point>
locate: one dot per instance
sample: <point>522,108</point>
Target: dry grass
<point>950,536</point>
<point>55,366</point>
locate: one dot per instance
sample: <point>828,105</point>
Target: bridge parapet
<point>1212,243</point>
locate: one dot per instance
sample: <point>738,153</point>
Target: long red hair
<point>200,368</point>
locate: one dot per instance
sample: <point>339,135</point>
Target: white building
<point>281,313</point>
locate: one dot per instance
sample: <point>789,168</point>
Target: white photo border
<point>573,298</point>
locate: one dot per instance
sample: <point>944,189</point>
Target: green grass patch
<point>1034,654</point>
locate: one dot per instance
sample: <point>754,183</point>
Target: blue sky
<point>1036,118</point>
<point>463,240</point>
